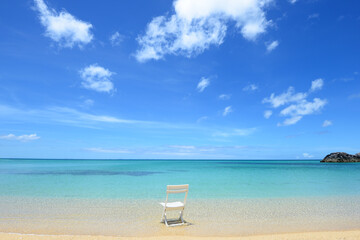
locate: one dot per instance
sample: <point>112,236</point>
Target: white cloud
<point>183,147</point>
<point>300,109</point>
<point>187,149</point>
<point>196,25</point>
<point>250,87</point>
<point>290,121</point>
<point>235,132</point>
<point>354,96</point>
<point>317,84</point>
<point>290,95</point>
<point>73,117</point>
<point>227,110</point>
<point>104,150</point>
<point>204,83</point>
<point>327,123</point>
<point>293,1</point>
<point>303,107</point>
<point>97,78</point>
<point>299,105</point>
<point>307,155</point>
<point>116,39</point>
<point>173,153</point>
<point>200,152</point>
<point>314,15</point>
<point>23,138</point>
<point>224,96</point>
<point>69,113</point>
<point>180,150</point>
<point>63,27</point>
<point>88,102</point>
<point>201,119</point>
<point>284,98</point>
<point>271,46</point>
<point>267,114</point>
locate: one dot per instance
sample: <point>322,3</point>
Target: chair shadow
<point>178,223</point>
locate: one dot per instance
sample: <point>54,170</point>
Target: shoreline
<point>327,235</point>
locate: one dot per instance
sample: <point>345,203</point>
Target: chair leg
<point>166,222</point>
<point>163,215</point>
<point>181,216</point>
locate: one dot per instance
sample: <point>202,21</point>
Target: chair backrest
<point>174,189</point>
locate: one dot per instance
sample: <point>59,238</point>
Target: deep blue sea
<point>147,179</point>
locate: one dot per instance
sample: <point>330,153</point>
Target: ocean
<point>147,179</point>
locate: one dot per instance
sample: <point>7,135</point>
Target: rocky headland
<point>341,157</point>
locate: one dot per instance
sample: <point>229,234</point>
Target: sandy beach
<point>348,235</point>
<point>277,218</point>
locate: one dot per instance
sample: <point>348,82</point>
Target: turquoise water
<point>140,179</point>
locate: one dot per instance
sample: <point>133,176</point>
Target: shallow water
<point>146,179</point>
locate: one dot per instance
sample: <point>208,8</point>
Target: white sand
<point>342,235</point>
<point>207,218</point>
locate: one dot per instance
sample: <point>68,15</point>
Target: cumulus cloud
<point>298,105</point>
<point>327,123</point>
<point>23,138</point>
<point>196,25</point>
<point>116,39</point>
<point>317,84</point>
<point>267,114</point>
<point>224,96</point>
<point>63,27</point>
<point>227,110</point>
<point>97,78</point>
<point>271,46</point>
<point>250,87</point>
<point>284,98</point>
<point>303,107</point>
<point>296,111</point>
<point>204,83</point>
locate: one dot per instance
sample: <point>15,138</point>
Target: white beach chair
<point>172,206</point>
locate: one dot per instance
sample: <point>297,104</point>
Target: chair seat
<point>173,204</point>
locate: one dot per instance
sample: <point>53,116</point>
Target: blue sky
<point>214,79</point>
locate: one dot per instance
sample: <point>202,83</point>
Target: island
<point>341,157</point>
